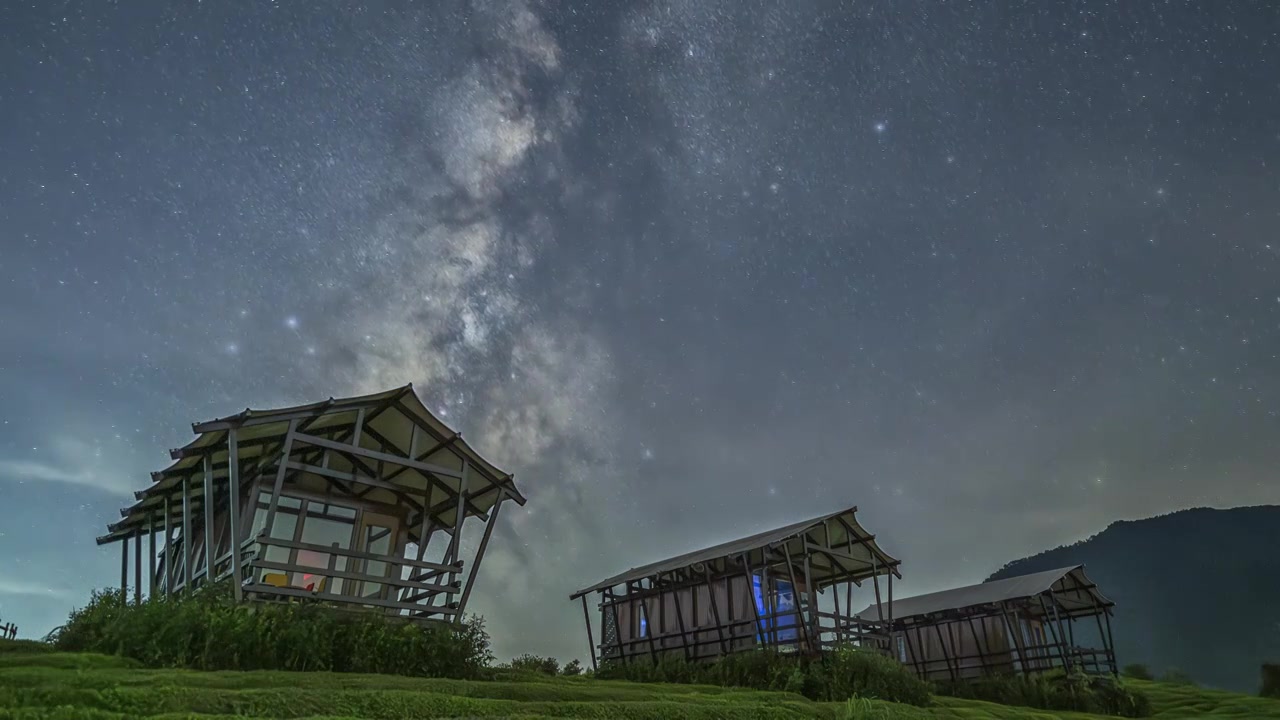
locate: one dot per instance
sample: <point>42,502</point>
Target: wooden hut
<point>778,589</point>
<point>1025,624</point>
<point>337,501</point>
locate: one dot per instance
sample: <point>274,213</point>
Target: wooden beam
<point>233,513</point>
<point>591,643</point>
<point>209,539</point>
<point>475,566</point>
<point>353,450</point>
<point>186,535</point>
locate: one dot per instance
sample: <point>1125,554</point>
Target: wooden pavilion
<point>767,590</point>
<point>1025,624</point>
<point>337,501</point>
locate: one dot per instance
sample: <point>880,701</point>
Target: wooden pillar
<point>124,569</point>
<point>755,611</point>
<point>715,609</point>
<point>795,596</point>
<point>978,642</point>
<point>187,536</point>
<point>137,567</point>
<point>591,643</point>
<point>168,546</point>
<point>617,625</point>
<point>209,501</point>
<point>484,543</point>
<point>946,654</point>
<point>151,560</point>
<point>648,627</point>
<point>233,510</point>
<point>684,636</point>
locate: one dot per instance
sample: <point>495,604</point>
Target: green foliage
<point>837,676</point>
<point>1056,690</point>
<point>1174,676</point>
<point>1136,671</point>
<point>1270,681</point>
<point>537,664</point>
<point>573,668</point>
<point>36,683</point>
<point>208,631</point>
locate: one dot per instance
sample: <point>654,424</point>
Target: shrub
<point>835,677</point>
<point>1137,671</point>
<point>1174,676</point>
<point>1055,690</point>
<point>207,630</point>
<point>537,664</point>
<point>572,668</point>
<point>1270,680</point>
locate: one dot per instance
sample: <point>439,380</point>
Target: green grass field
<point>36,682</point>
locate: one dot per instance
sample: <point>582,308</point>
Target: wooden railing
<point>355,576</point>
<point>786,633</point>
<point>8,631</point>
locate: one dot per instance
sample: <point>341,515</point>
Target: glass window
<point>644,621</point>
<point>320,528</point>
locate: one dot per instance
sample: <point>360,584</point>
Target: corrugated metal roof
<point>257,429</point>
<point>819,570</point>
<point>996,591</point>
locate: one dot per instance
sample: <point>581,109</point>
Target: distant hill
<point>1196,590</point>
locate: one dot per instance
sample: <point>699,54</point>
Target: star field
<point>997,273</point>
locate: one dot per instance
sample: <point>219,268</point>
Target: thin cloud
<point>28,588</point>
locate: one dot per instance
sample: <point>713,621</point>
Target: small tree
<point>1270,680</point>
<point>536,663</point>
<point>572,668</point>
<point>1137,671</point>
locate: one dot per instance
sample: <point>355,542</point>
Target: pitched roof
<point>859,561</point>
<point>1070,585</point>
<point>389,414</point>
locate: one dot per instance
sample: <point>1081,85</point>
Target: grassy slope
<point>36,683</point>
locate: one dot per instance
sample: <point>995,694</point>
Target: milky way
<point>998,275</point>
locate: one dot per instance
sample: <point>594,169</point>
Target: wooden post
<point>617,625</point>
<point>186,534</point>
<point>648,627</point>
<point>875,580</point>
<point>977,642</point>
<point>168,546</point>
<point>209,554</point>
<point>484,543</point>
<point>591,642</point>
<point>151,560</point>
<point>795,595</point>
<point>1013,630</point>
<point>761,637</point>
<point>715,609</point>
<point>137,567</point>
<point>283,468</point>
<point>684,636</point>
<point>835,598</point>
<point>124,569</point>
<point>946,655</point>
<point>1110,642</point>
<point>233,511</point>
<point>815,636</point>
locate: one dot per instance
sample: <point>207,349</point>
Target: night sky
<point>997,273</point>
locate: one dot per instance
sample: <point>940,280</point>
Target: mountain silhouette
<point>1196,590</point>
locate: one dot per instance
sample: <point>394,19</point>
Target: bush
<point>1137,671</point>
<point>534,663</point>
<point>1174,676</point>
<point>1056,690</point>
<point>573,668</point>
<point>1270,680</point>
<point>207,630</point>
<point>835,677</point>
